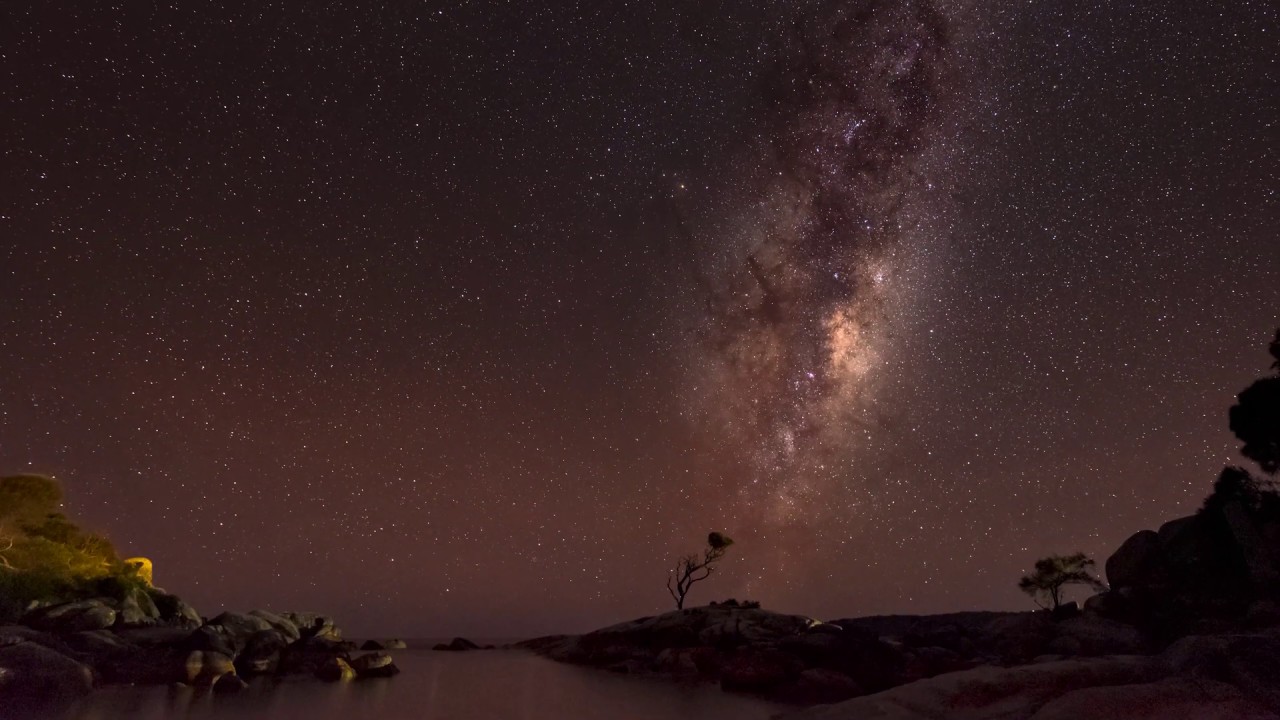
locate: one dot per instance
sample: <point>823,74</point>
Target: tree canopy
<point>43,553</point>
<point>1054,573</point>
<point>1255,418</point>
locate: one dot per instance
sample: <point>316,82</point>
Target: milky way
<point>856,101</point>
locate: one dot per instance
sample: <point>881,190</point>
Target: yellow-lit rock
<point>143,567</point>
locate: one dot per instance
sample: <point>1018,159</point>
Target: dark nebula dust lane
<point>860,99</point>
<point>469,318</point>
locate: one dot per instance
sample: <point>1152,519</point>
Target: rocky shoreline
<point>1189,627</point>
<point>56,653</point>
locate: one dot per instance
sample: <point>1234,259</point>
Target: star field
<point>467,318</point>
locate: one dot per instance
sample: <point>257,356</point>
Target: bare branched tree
<point>691,569</point>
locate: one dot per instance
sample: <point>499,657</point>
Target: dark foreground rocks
<point>63,651</point>
<point>1208,678</point>
<point>962,665</point>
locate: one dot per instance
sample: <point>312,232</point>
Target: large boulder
<point>142,568</point>
<point>72,617</point>
<point>458,644</point>
<point>1139,561</point>
<point>240,625</point>
<point>137,609</point>
<point>335,669</point>
<point>279,623</point>
<point>174,610</point>
<point>310,654</point>
<point>31,672</point>
<point>375,665</point>
<point>261,653</point>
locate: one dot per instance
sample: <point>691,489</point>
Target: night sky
<point>467,318</point>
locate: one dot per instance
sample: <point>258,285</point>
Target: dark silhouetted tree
<point>691,569</point>
<point>1053,574</point>
<point>1255,418</point>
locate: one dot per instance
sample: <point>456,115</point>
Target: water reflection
<point>504,685</point>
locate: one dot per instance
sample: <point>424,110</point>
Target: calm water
<point>500,684</point>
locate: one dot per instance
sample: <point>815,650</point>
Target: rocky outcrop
<point>82,643</point>
<point>72,617</point>
<point>456,645</point>
<point>1229,676</point>
<point>392,644</point>
<point>375,665</point>
<point>743,648</point>
<point>31,672</point>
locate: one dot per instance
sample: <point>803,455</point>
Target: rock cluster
<point>61,651</point>
<point>1214,571</point>
<point>798,659</point>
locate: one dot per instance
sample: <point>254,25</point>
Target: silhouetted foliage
<point>1054,573</point>
<point>1255,418</point>
<point>43,554</point>
<point>690,569</point>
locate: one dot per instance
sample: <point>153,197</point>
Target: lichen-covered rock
<point>375,665</point>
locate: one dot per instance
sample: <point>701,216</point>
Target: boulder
<point>137,610</point>
<point>313,625</point>
<point>143,568</point>
<point>240,626</point>
<point>283,625</point>
<point>217,638</point>
<point>335,669</point>
<point>229,684</point>
<point>375,665</point>
<point>309,655</point>
<point>261,653</point>
<point>174,610</point>
<point>72,617</point>
<point>1138,561</point>
<point>457,645</point>
<point>32,672</point>
<point>205,668</point>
